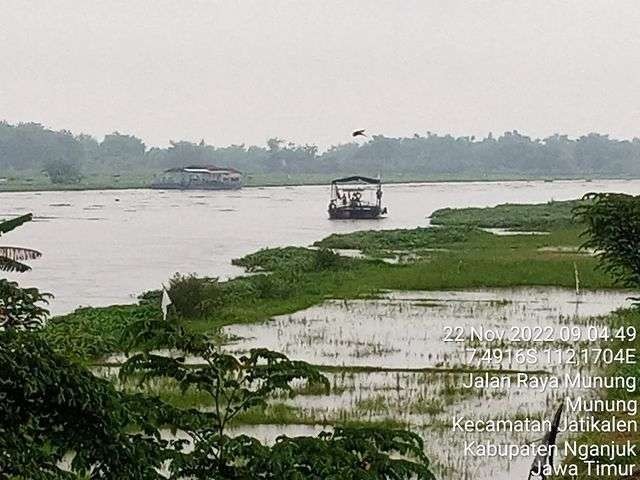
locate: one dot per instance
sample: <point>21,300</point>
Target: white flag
<point>166,301</point>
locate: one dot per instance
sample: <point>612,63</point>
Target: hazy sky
<point>312,71</point>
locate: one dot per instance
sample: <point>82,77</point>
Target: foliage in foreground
<point>236,385</point>
<point>612,225</point>
<point>344,454</point>
<point>52,407</point>
<point>21,308</point>
<point>613,231</point>
<point>55,410</point>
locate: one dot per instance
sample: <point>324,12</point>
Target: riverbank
<point>293,278</point>
<point>37,182</point>
<point>535,246</point>
<point>286,280</point>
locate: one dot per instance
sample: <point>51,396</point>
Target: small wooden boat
<point>356,198</point>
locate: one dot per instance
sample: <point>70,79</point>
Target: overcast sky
<point>312,71</point>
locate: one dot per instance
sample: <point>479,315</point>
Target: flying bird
<point>359,133</point>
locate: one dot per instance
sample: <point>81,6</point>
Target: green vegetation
<point>53,406</point>
<point>612,226</point>
<point>293,258</point>
<point>20,308</point>
<point>92,332</point>
<point>136,178</point>
<point>156,390</point>
<point>370,241</point>
<point>612,223</point>
<point>40,181</point>
<point>544,216</point>
<point>625,318</point>
<point>35,157</point>
<point>294,278</point>
<point>62,172</point>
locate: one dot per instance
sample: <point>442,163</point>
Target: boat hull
<point>355,213</point>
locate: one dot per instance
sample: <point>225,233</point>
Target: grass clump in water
<point>544,216</point>
<point>372,241</point>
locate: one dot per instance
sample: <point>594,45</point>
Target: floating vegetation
<point>532,218</point>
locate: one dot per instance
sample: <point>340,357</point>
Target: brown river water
<point>105,247</point>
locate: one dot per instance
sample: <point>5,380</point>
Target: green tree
<point>185,154</point>
<point>61,171</point>
<point>118,152</point>
<point>613,231</point>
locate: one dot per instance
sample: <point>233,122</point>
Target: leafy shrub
<point>63,171</point>
<point>274,259</point>
<point>325,259</point>
<point>93,332</point>
<point>613,231</point>
<point>274,286</point>
<point>51,406</point>
<point>236,385</point>
<point>194,297</point>
<point>21,308</point>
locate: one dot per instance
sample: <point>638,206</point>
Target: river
<point>105,247</point>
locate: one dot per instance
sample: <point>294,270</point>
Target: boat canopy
<point>357,178</point>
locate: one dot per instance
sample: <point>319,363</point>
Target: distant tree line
<point>65,156</point>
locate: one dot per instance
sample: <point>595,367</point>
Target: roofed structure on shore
<point>199,177</point>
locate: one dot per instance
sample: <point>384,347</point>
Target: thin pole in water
<point>575,270</point>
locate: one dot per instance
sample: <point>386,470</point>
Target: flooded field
<point>105,247</point>
<point>408,374</point>
<point>405,329</point>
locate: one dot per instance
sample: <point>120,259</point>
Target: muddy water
<point>102,247</point>
<point>405,330</point>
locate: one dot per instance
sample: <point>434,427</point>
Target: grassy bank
<point>36,181</point>
<point>544,216</point>
<point>291,279</point>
